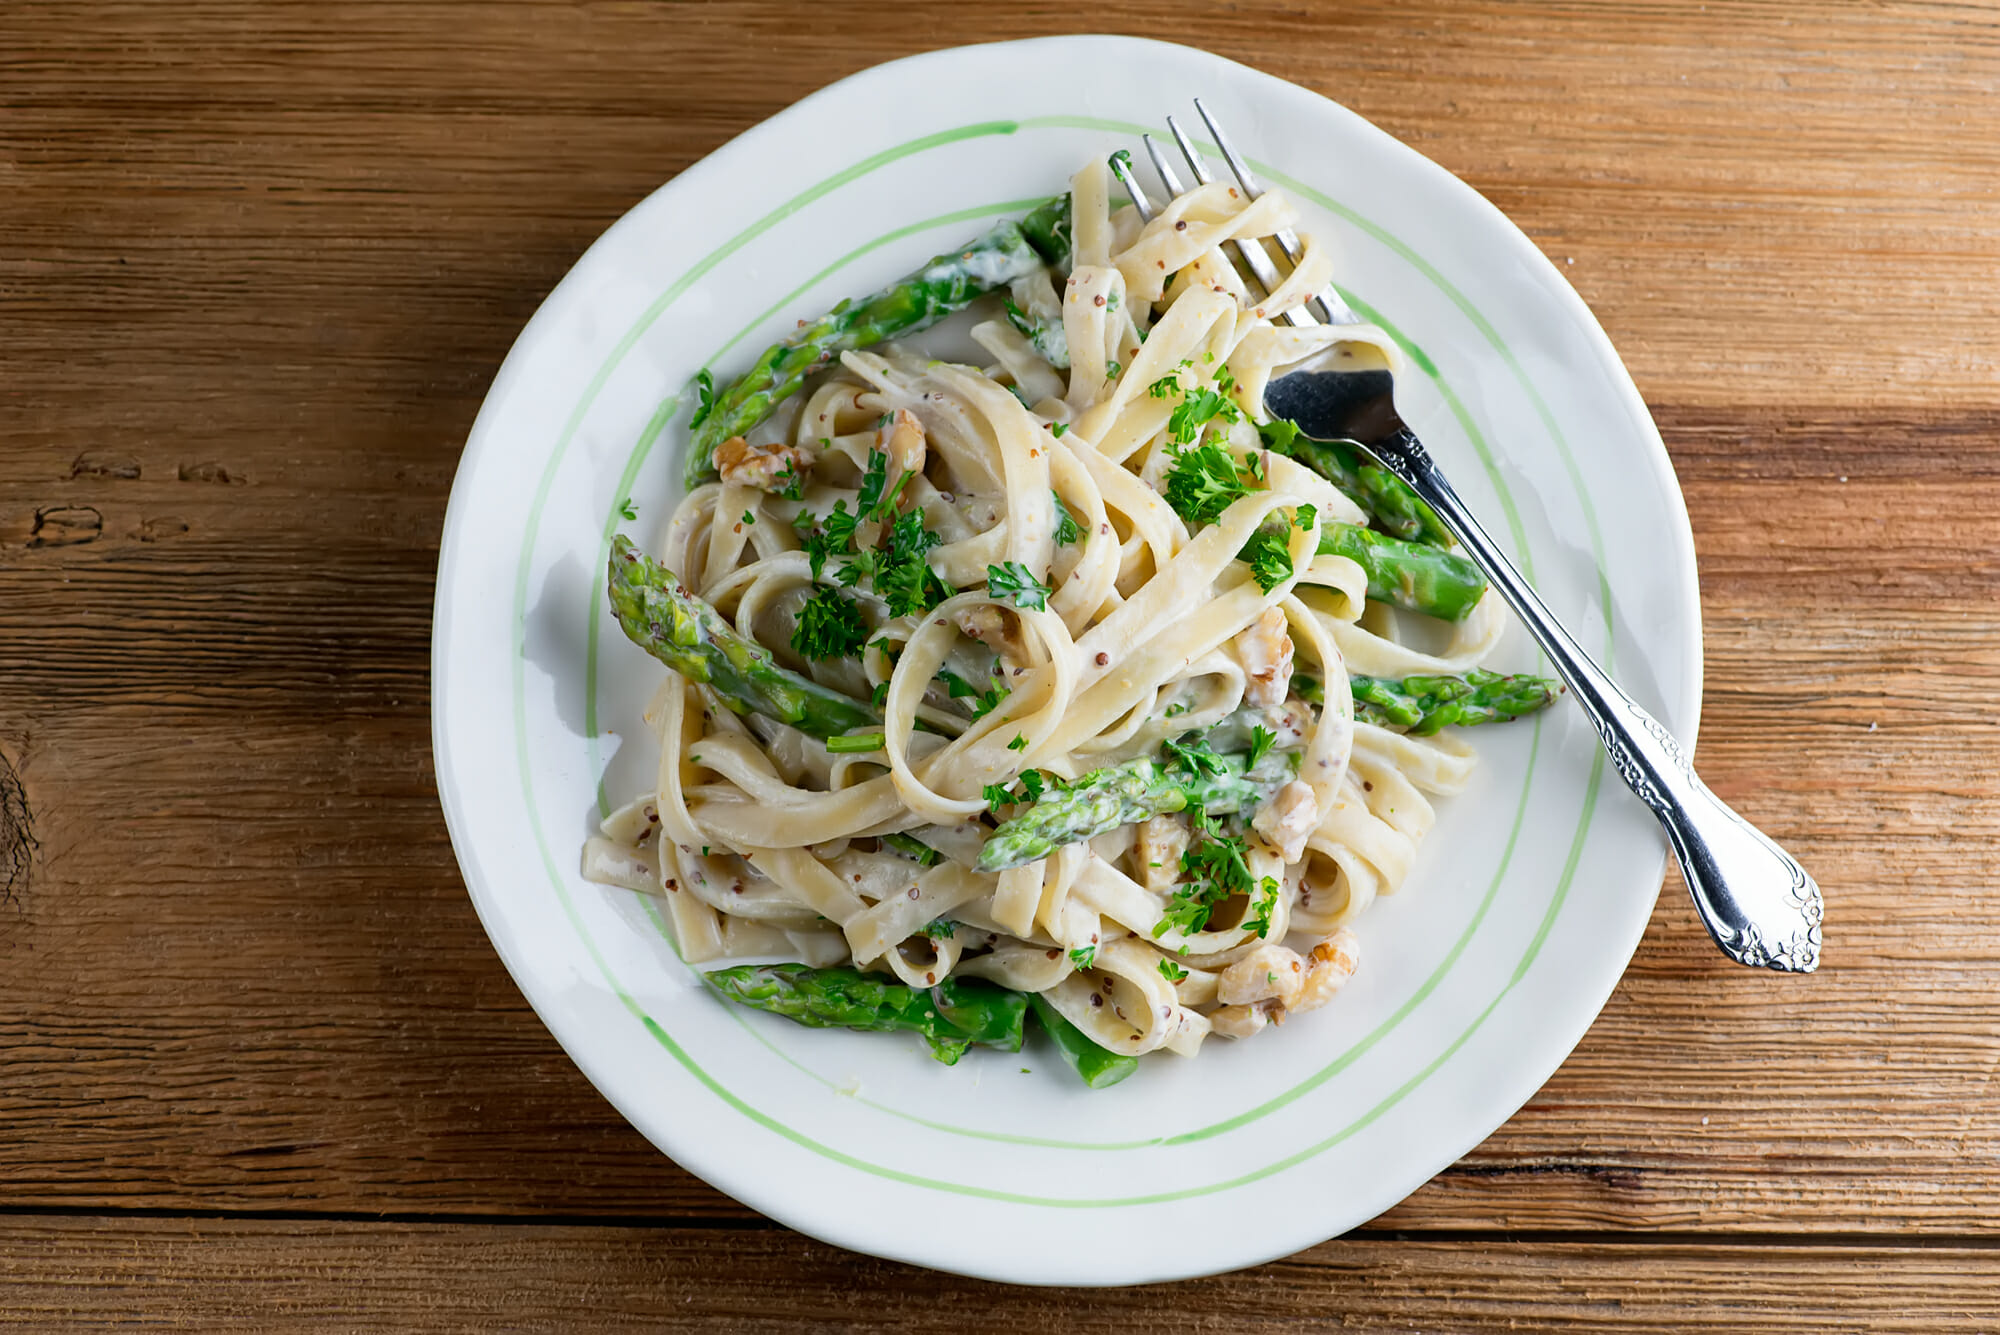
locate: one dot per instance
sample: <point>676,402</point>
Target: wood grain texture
<point>222,1275</point>
<point>258,263</point>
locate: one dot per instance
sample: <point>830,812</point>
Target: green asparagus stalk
<point>1396,510</point>
<point>689,636</point>
<point>1047,228</point>
<point>1123,794</point>
<point>911,847</point>
<point>948,283</point>
<point>1098,1067</point>
<point>1423,579</point>
<point>952,1016</point>
<point>1422,705</point>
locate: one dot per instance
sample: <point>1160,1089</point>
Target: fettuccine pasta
<point>1119,763</point>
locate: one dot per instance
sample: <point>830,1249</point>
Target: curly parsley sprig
<point>1203,481</point>
<point>830,625</point>
<point>1214,869</point>
<point>1010,581</point>
<point>983,702</point>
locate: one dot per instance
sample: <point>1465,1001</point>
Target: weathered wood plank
<point>238,1275</point>
<point>1795,208</point>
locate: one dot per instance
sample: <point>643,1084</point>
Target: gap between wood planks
<point>1720,1238</point>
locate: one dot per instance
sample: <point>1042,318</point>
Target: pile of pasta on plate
<point>1067,684</point>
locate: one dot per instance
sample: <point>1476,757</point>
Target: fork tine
<point>1237,166</point>
<point>1329,303</point>
<point>1254,256</point>
<point>1196,163</point>
<point>1163,167</point>
<point>1121,167</point>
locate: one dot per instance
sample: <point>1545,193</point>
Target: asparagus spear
<point>1422,705</point>
<point>952,1016</point>
<point>1047,228</point>
<point>911,847</point>
<point>689,636</point>
<point>1098,1067</point>
<point>1122,794</point>
<point>948,283</point>
<point>1396,509</point>
<point>1423,579</point>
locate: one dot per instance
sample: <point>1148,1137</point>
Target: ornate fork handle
<point>1754,898</point>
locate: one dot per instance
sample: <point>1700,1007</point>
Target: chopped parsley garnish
<point>1020,742</point>
<point>940,929</point>
<point>627,509</point>
<point>1269,556</point>
<point>878,499</point>
<point>704,384</point>
<point>1187,912</point>
<point>791,484</point>
<point>983,702</point>
<point>1058,429</point>
<point>1305,517</point>
<point>825,536</point>
<point>1213,870</point>
<point>859,565</point>
<point>1083,956</point>
<point>1278,435</point>
<point>749,518</point>
<point>905,579</point>
<point>1010,580</point>
<point>1170,383</point>
<point>1203,482</point>
<point>1171,971</point>
<point>898,572</point>
<point>1258,919</point>
<point>830,626</point>
<point>1067,531</point>
<point>1196,411</point>
<point>1262,739</point>
<point>1030,787</point>
<point>1114,370</point>
<point>1194,756</point>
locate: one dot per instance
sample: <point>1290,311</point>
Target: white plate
<point>1477,979</point>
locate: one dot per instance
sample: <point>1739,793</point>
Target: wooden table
<point>258,1065</point>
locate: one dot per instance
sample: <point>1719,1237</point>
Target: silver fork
<point>1753,897</point>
